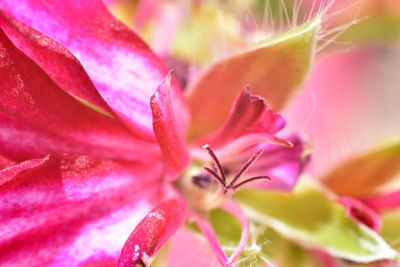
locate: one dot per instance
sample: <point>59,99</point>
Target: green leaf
<point>264,246</point>
<point>285,253</point>
<point>274,69</point>
<point>371,173</point>
<point>309,217</point>
<point>391,229</point>
<point>161,258</point>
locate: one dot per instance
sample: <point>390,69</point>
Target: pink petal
<point>283,164</point>
<point>233,208</point>
<point>100,261</point>
<point>37,117</point>
<point>186,248</point>
<point>384,202</point>
<point>250,114</point>
<point>152,232</point>
<point>361,213</point>
<point>122,67</point>
<point>208,232</point>
<point>63,68</point>
<point>73,209</point>
<point>168,134</point>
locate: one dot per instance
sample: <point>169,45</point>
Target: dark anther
<point>202,180</point>
<point>221,178</point>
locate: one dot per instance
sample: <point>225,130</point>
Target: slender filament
<point>214,157</point>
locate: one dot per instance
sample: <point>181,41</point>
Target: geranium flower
<point>89,149</point>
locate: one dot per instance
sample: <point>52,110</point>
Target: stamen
<point>215,175</point>
<point>214,157</point>
<point>246,166</point>
<point>250,180</point>
<point>232,185</point>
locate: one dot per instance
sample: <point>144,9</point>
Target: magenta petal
<point>100,261</point>
<point>152,232</point>
<point>361,213</point>
<point>384,202</point>
<point>63,68</point>
<point>122,67</point>
<point>69,210</point>
<point>250,114</point>
<point>169,136</point>
<point>37,117</point>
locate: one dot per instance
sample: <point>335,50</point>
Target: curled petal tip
<point>282,142</point>
<point>152,232</point>
<point>360,212</point>
<point>247,88</point>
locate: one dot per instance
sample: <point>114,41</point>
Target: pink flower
<point>86,156</point>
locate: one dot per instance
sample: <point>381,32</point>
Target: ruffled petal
<point>250,114</point>
<point>358,211</point>
<point>169,136</point>
<point>152,232</point>
<point>61,66</point>
<point>122,67</point>
<point>37,117</point>
<point>71,210</point>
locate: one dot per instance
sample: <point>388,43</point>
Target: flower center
<point>207,188</point>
